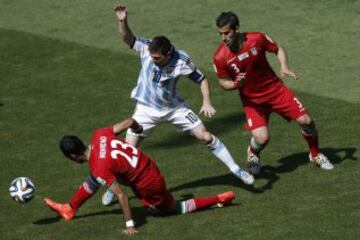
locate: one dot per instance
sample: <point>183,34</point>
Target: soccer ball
<point>22,189</point>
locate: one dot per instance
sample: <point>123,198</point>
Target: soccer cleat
<point>225,198</point>
<point>246,177</point>
<point>253,162</point>
<point>107,198</point>
<point>322,161</point>
<point>64,210</point>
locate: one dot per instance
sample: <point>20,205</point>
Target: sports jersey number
<point>133,159</point>
<point>235,67</point>
<point>191,117</point>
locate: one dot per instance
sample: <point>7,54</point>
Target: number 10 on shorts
<point>191,117</point>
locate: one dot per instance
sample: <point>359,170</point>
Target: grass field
<point>64,70</point>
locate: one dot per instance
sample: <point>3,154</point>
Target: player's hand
<point>208,110</point>
<point>130,231</point>
<point>241,77</point>
<point>121,12</point>
<point>284,71</point>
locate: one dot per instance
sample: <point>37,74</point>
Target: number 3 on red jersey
<point>116,144</point>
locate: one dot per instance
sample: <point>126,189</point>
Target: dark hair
<point>227,17</point>
<point>71,145</point>
<point>161,44</point>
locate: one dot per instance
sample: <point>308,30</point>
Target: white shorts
<point>182,117</point>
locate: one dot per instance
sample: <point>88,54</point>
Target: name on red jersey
<point>102,152</point>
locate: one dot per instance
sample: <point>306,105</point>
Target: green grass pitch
<point>64,70</point>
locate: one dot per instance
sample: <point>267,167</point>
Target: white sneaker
<point>322,161</point>
<point>107,198</point>
<point>246,177</point>
<point>253,162</point>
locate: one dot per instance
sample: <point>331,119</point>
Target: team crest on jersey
<point>254,51</point>
<point>243,56</point>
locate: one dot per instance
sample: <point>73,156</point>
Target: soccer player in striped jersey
<point>157,99</point>
<point>112,162</point>
<point>240,63</point>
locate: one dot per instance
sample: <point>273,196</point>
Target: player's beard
<point>228,43</point>
<point>233,46</point>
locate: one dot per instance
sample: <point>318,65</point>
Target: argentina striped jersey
<point>156,85</point>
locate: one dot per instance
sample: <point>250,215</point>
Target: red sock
<point>80,196</point>
<point>202,203</point>
<point>195,204</point>
<point>313,143</point>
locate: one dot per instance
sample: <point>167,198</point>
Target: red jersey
<point>112,158</point>
<point>260,82</point>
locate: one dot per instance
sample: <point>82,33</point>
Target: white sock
<point>222,153</point>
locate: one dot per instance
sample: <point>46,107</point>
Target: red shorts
<point>284,103</point>
<point>155,196</point>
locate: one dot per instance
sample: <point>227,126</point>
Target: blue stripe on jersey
<point>165,94</point>
<point>148,83</point>
<point>143,40</point>
<point>158,98</point>
<point>182,55</point>
<point>139,90</point>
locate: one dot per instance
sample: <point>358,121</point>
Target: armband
<point>130,223</point>
<point>137,130</point>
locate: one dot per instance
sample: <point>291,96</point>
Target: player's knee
<point>202,134</point>
<point>207,137</point>
<point>309,129</point>
<point>262,139</point>
<point>304,120</point>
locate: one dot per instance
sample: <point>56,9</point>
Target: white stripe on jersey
<point>156,86</point>
<point>269,39</point>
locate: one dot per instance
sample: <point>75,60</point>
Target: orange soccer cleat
<point>225,198</point>
<point>63,209</point>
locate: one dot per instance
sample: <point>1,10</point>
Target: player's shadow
<point>292,162</point>
<point>271,173</point>
<point>140,214</point>
<point>225,179</point>
<point>45,221</point>
<point>223,125</point>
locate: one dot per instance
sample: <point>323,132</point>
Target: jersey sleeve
<point>270,45</point>
<point>141,45</point>
<point>220,67</point>
<point>189,70</point>
<point>103,176</point>
<point>106,130</point>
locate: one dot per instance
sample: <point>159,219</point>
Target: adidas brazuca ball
<point>22,189</point>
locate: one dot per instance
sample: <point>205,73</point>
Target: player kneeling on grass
<point>113,161</point>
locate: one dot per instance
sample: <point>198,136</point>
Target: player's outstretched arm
<point>125,206</point>
<point>206,107</point>
<point>229,85</point>
<point>127,123</point>
<point>125,31</point>
<point>284,69</point>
